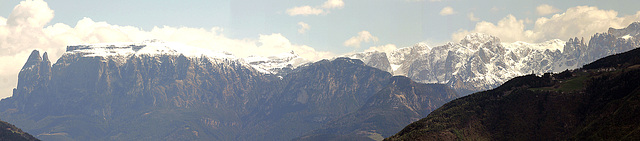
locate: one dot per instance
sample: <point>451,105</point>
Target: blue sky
<point>315,29</point>
<point>399,22</point>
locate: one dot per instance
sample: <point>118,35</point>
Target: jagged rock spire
<point>35,73</point>
<point>34,59</point>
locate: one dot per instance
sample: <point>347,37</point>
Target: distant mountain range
<point>481,62</point>
<point>161,91</point>
<point>598,102</point>
<point>166,91</point>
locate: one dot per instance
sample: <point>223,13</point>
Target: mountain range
<point>161,91</point>
<point>600,101</point>
<point>481,62</point>
<point>154,90</point>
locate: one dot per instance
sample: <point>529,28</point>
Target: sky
<point>314,29</point>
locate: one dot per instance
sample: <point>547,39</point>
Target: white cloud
<point>528,21</point>
<point>580,21</point>
<point>472,17</point>
<point>331,4</point>
<point>383,48</point>
<point>308,10</point>
<point>276,43</point>
<point>34,13</point>
<point>363,36</point>
<point>303,27</point>
<point>304,10</point>
<point>25,32</point>
<point>508,29</point>
<point>447,11</point>
<point>3,21</point>
<point>20,33</point>
<point>546,9</point>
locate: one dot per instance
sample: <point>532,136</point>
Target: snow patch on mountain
<point>552,45</point>
<point>272,64</point>
<point>119,51</point>
<point>478,62</point>
<point>147,47</point>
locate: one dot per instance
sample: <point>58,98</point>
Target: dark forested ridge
<point>599,102</point>
<point>9,132</point>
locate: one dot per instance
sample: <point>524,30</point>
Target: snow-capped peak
<point>552,45</point>
<point>423,46</point>
<point>147,47</point>
<point>272,64</point>
<point>479,38</point>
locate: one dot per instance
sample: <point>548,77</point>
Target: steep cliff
<point>152,91</point>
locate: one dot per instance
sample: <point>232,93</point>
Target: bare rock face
<point>89,96</point>
<point>633,30</point>
<point>35,74</point>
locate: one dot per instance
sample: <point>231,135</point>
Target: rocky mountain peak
<point>479,38</point>
<point>33,59</point>
<point>35,73</point>
<point>632,30</point>
<point>480,61</point>
<point>45,58</point>
<point>277,63</point>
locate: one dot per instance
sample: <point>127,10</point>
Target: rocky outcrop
<point>35,74</point>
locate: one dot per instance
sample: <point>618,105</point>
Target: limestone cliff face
<point>35,74</point>
<point>166,97</point>
<point>102,92</point>
<point>33,80</point>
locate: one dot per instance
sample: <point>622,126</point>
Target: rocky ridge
<point>151,91</point>
<point>481,62</point>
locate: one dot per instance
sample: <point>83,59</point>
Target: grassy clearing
<point>573,84</point>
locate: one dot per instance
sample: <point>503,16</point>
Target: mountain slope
<point>598,103</point>
<point>313,95</point>
<point>9,132</point>
<point>401,102</point>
